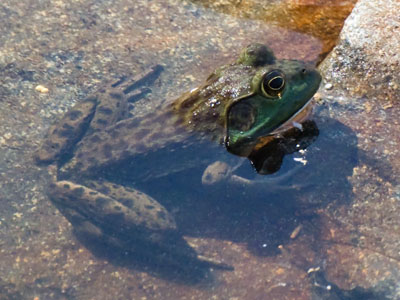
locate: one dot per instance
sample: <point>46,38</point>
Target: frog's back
<point>117,145</point>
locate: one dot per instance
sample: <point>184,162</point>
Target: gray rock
<point>366,60</point>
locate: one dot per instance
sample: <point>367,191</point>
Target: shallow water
<point>320,19</point>
<point>335,226</point>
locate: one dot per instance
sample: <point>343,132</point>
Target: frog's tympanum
<point>101,152</point>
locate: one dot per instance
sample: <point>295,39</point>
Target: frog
<point>100,151</point>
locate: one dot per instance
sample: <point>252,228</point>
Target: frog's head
<point>250,98</point>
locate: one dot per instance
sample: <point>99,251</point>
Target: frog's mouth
<point>245,146</point>
<point>296,119</point>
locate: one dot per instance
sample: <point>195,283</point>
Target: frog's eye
<point>273,84</point>
<point>241,117</point>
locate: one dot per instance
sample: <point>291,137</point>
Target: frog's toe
<point>145,78</point>
<point>215,173</point>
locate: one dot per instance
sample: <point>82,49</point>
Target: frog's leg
<point>67,132</point>
<point>127,220</point>
<point>120,209</point>
<point>95,208</point>
<point>102,109</point>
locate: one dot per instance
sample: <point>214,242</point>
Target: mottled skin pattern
<point>99,138</point>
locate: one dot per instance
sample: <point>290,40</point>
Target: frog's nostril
<point>304,71</point>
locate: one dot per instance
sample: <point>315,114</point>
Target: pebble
<point>41,89</point>
<point>328,86</point>
<point>2,141</point>
<point>318,97</point>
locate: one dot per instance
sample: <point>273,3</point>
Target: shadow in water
<point>177,267</point>
<point>264,216</point>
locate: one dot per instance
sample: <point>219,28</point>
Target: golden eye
<point>273,84</point>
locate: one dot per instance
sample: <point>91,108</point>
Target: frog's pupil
<point>276,83</point>
<point>273,84</point>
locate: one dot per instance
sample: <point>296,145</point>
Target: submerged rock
<point>320,19</point>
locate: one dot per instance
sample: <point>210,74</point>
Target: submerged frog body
<point>98,146</point>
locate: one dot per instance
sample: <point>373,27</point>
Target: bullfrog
<point>100,152</point>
